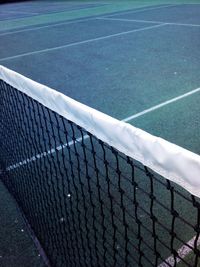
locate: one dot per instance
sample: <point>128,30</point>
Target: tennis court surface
<point>120,189</point>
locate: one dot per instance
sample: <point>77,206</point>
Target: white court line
<point>150,21</point>
<point>81,42</point>
<point>128,119</point>
<point>47,26</point>
<point>128,20</point>
<point>19,12</point>
<point>44,154</point>
<point>182,252</point>
<point>77,21</point>
<point>81,20</point>
<point>141,10</point>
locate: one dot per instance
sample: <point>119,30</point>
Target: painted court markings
<point>19,12</point>
<point>149,21</point>
<point>185,250</point>
<point>182,253</point>
<point>127,119</point>
<point>81,42</point>
<point>46,26</point>
<point>142,10</point>
<point>82,20</point>
<point>165,103</point>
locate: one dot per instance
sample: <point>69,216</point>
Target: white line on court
<point>128,119</point>
<point>182,252</point>
<point>81,42</point>
<point>20,12</point>
<point>185,249</point>
<point>81,20</point>
<point>150,21</point>
<point>141,10</point>
<point>127,20</point>
<point>46,26</point>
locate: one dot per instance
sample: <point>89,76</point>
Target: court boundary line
<point>19,12</point>
<point>184,250</point>
<point>53,12</point>
<point>47,26</point>
<point>127,119</point>
<point>81,42</point>
<point>182,253</point>
<point>128,20</point>
<point>144,9</point>
<point>149,21</point>
<point>187,247</point>
<point>165,103</point>
<point>136,10</point>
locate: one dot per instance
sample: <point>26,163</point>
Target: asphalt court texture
<point>17,10</point>
<point>175,14</point>
<point>121,63</point>
<point>116,66</point>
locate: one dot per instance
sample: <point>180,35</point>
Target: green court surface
<point>16,248</point>
<point>102,7</point>
<point>135,60</point>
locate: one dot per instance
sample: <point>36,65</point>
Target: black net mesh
<point>88,204</point>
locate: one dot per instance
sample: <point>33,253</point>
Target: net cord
<point>167,159</point>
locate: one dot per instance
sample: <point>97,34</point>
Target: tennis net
<point>96,191</point>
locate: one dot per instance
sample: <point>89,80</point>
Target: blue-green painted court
<point>136,62</point>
